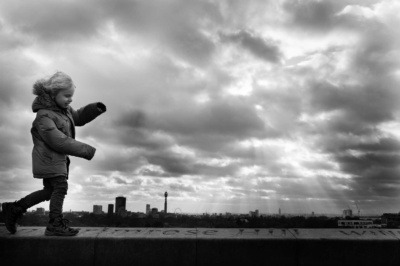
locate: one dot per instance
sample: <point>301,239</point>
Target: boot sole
<point>49,233</point>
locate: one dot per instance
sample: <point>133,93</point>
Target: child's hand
<point>101,107</point>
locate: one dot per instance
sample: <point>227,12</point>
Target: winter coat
<point>53,134</point>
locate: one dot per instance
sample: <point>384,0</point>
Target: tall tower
<point>120,205</point>
<point>165,203</point>
<point>110,209</point>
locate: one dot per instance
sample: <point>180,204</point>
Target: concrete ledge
<point>201,246</point>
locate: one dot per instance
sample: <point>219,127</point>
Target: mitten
<point>101,107</point>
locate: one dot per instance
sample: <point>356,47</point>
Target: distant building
<point>97,209</point>
<point>148,210</point>
<point>391,220</point>
<point>40,211</point>
<point>120,205</point>
<point>154,213</point>
<point>358,224</point>
<point>254,214</point>
<point>347,213</point>
<point>110,209</point>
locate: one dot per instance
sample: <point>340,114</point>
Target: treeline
<point>183,221</point>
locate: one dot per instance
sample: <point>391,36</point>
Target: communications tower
<point>165,203</point>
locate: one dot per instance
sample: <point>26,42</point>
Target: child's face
<point>64,97</point>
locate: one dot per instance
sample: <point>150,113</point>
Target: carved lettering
<point>191,232</point>
<point>134,231</point>
<point>352,232</point>
<point>123,231</point>
<point>210,232</point>
<point>151,231</point>
<point>382,232</point>
<point>251,232</point>
<point>28,230</point>
<point>387,232</point>
<point>171,232</point>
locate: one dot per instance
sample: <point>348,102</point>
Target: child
<point>53,134</point>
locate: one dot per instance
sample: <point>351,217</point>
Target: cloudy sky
<point>230,106</point>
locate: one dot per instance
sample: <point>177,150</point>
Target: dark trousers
<point>54,189</point>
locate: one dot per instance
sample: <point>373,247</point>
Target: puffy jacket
<point>53,134</point>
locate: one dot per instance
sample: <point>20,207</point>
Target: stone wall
<point>201,246</point>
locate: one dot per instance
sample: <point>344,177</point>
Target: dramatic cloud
<point>227,105</point>
<point>257,46</point>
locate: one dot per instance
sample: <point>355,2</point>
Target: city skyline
<point>254,212</point>
<point>230,106</point>
<point>120,202</point>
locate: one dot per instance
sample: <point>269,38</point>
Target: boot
<point>59,227</point>
<point>11,213</point>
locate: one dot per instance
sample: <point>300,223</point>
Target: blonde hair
<point>53,85</point>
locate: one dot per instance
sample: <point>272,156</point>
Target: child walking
<point>53,134</point>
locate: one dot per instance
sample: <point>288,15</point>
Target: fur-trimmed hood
<point>43,99</point>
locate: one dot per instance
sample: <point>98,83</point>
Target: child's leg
<point>12,211</point>
<point>36,197</point>
<point>58,225</point>
<point>60,188</point>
